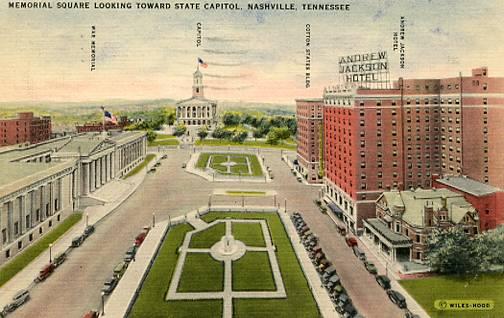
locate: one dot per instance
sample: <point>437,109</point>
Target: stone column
<point>22,220</point>
<point>103,170</point>
<point>92,176</point>
<point>85,178</point>
<point>10,221</point>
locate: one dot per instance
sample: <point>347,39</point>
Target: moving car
<point>370,267</point>
<point>19,298</point>
<point>351,241</point>
<point>383,281</point>
<point>397,298</point>
<point>109,285</point>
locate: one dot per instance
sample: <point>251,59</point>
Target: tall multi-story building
<point>24,128</point>
<point>472,112</point>
<point>396,138</point>
<point>309,114</point>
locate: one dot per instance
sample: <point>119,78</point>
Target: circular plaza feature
<point>228,249</point>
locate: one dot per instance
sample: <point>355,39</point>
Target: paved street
<point>75,287</point>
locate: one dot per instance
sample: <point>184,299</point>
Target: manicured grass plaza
<point>230,163</point>
<point>251,273</point>
<point>484,287</point>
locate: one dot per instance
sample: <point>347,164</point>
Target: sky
<point>252,55</point>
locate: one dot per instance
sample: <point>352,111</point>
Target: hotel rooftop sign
<point>366,70</point>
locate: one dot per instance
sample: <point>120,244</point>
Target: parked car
<point>370,267</point>
<point>164,156</point>
<point>343,299</point>
<point>332,282</point>
<point>184,165</point>
<point>151,170</point>
<point>323,266</point>
<point>338,290</point>
<point>77,241</point>
<point>315,249</point>
<point>59,259</point>
<point>409,314</point>
<point>351,241</point>
<point>19,298</point>
<point>318,257</point>
<point>45,272</point>
<point>359,253</point>
<point>157,164</point>
<point>140,238</point>
<point>91,314</point>
<point>120,269</point>
<point>109,285</point>
<point>349,311</point>
<point>383,281</point>
<point>341,229</point>
<point>130,254</point>
<point>397,298</point>
<point>328,273</point>
<point>88,231</point>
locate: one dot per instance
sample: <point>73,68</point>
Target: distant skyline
<point>251,55</point>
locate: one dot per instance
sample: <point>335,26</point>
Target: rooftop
<point>391,236</point>
<point>195,101</point>
<point>411,204</point>
<point>468,185</point>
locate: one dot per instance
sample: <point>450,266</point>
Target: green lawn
<point>485,287</point>
<point>30,253</point>
<point>252,272</point>
<point>151,300</point>
<point>246,143</point>
<point>141,166</point>
<point>208,237</point>
<point>201,273</point>
<point>249,233</point>
<point>299,301</point>
<point>164,142</point>
<point>241,167</point>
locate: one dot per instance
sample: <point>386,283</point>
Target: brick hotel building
<point>25,128</point>
<point>309,114</point>
<point>398,138</point>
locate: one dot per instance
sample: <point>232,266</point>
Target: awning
<point>381,227</point>
<point>335,209</point>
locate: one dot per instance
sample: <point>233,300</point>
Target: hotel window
<point>417,101</point>
<point>394,112</point>
<point>394,174</point>
<point>394,103</point>
<point>485,101</point>
<point>394,164</point>
<point>426,101</point>
<point>379,164</point>
<point>363,186</point>
<point>361,103</point>
<point>485,86</point>
<point>362,123</point>
<point>378,103</point>
<point>380,174</point>
<point>408,101</point>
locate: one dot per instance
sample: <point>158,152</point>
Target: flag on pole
<point>203,64</point>
<point>108,116</point>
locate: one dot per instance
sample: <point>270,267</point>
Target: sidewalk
<point>118,188</point>
<point>381,265</point>
<point>118,303</point>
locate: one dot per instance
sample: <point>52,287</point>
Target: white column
<point>92,176</point>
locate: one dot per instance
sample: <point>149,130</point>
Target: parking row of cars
<point>382,280</point>
<point>157,164</point>
<point>327,271</point>
<point>23,295</point>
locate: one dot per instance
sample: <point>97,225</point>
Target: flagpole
<point>103,118</point>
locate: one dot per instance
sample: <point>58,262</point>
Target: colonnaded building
<point>197,110</point>
<point>40,185</point>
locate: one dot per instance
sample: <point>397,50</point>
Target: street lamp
<point>87,219</point>
<point>103,303</point>
<point>274,200</point>
<point>209,201</point>
<point>153,220</point>
<point>243,201</point>
<point>285,204</point>
<point>50,253</point>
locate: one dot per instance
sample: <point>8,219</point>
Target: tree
<point>179,130</point>
<point>170,117</point>
<point>272,138</point>
<point>281,132</point>
<point>221,133</point>
<point>231,118</point>
<point>151,135</point>
<point>203,132</point>
<point>452,251</point>
<point>239,136</point>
